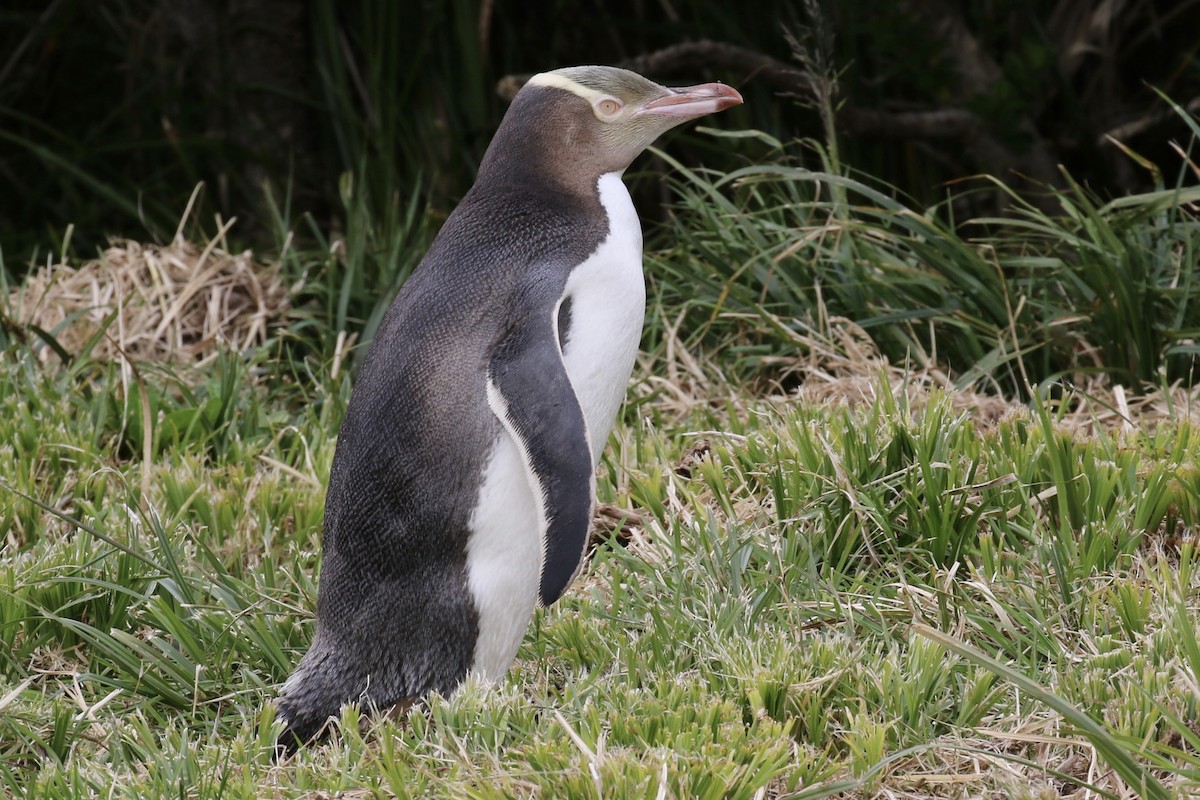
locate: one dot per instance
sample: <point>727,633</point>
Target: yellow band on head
<point>562,82</point>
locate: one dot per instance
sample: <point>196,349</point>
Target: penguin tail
<point>311,700</point>
<point>301,728</point>
<point>297,734</point>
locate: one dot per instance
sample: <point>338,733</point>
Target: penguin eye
<point>608,107</point>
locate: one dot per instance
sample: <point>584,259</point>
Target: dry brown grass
<point>180,303</point>
<point>177,303</point>
<point>842,366</point>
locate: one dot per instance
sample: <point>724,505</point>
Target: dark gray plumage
<point>486,311</point>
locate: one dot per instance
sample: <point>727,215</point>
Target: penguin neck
<point>543,143</point>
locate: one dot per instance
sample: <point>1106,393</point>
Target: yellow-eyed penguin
<point>462,487</point>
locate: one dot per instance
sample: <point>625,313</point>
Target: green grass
<point>762,255</point>
<point>889,594</point>
<point>882,582</point>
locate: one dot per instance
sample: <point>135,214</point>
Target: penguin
<point>463,480</point>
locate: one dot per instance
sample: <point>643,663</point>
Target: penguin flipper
<point>529,391</point>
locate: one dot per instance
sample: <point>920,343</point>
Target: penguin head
<point>599,119</point>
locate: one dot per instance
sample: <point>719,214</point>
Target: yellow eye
<point>608,107</point>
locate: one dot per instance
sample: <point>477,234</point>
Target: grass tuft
<point>769,254</point>
<point>851,566</point>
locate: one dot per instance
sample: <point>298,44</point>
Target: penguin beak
<point>692,101</point>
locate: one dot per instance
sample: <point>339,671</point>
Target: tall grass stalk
<point>1102,288</point>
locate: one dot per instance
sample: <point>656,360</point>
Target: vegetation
<point>780,247</point>
<point>110,113</point>
<point>908,477</point>
<point>871,577</point>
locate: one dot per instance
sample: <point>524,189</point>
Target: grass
<point>767,253</point>
<point>890,594</point>
<point>852,571</point>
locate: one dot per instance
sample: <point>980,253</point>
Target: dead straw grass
<point>181,303</point>
<point>840,365</point>
<point>846,368</point>
<point>178,303</point>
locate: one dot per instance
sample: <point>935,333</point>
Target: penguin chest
<point>504,558</point>
<point>605,297</point>
<point>600,317</point>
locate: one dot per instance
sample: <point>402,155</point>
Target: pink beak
<point>693,101</point>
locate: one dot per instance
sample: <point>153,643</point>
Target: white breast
<point>504,558</point>
<point>504,553</point>
<point>608,306</point>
